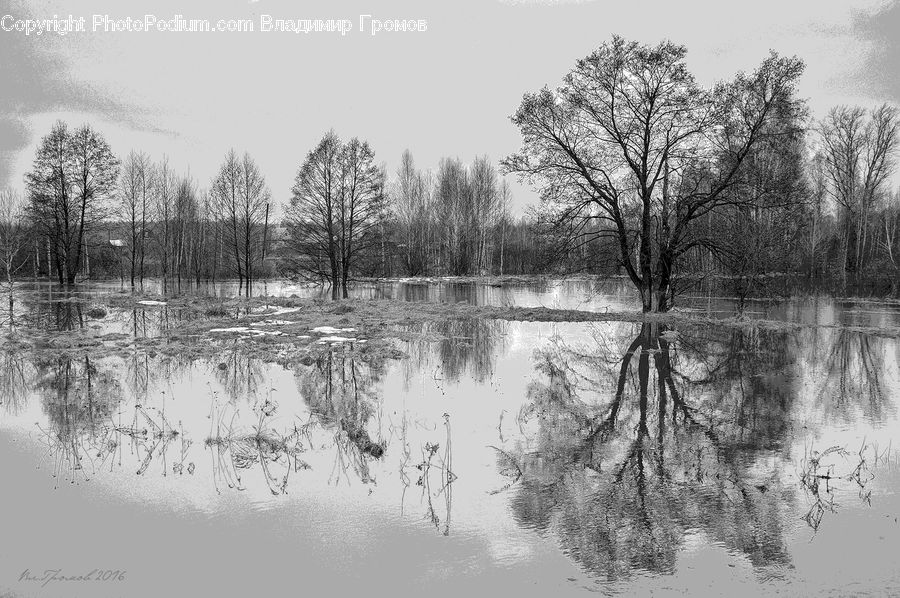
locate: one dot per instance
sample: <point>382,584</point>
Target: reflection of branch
<point>609,422</point>
<point>404,461</point>
<point>508,460</point>
<point>814,472</point>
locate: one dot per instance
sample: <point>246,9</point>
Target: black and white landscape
<point>432,298</point>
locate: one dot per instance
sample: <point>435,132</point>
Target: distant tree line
<point>86,213</point>
<point>641,171</point>
<point>136,218</point>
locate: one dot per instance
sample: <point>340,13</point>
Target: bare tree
<point>335,209</point>
<point>199,244</point>
<point>842,138</point>
<point>448,222</point>
<point>631,141</point>
<point>254,202</point>
<point>184,225</point>
<point>453,197</point>
<point>483,217</point>
<point>410,199</point>
<point>311,214</point>
<point>225,191</point>
<point>504,216</point>
<point>166,193</point>
<point>13,231</point>
<point>73,177</point>
<point>859,159</point>
<point>890,243</point>
<point>818,192</point>
<point>146,173</point>
<point>240,196</point>
<point>881,137</point>
<point>135,190</point>
<point>362,204</point>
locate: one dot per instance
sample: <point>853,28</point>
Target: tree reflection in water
<point>58,315</point>
<point>854,370</point>
<point>337,386</point>
<point>465,347</point>
<point>627,448</point>
<point>241,376</point>
<point>340,388</point>
<point>79,398</point>
<point>683,445</point>
<point>15,379</point>
<point>88,422</point>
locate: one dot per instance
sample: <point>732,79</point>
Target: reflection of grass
<point>434,460</point>
<point>819,476</point>
<point>80,448</point>
<point>508,467</point>
<point>233,451</point>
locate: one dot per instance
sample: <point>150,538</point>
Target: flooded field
<point>524,457</point>
<point>586,294</point>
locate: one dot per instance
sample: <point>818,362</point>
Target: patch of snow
<point>244,329</point>
<point>149,302</point>
<point>266,332</point>
<point>330,330</point>
<point>336,339</point>
<point>271,310</point>
<point>272,323</point>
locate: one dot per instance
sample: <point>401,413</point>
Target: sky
<point>446,91</point>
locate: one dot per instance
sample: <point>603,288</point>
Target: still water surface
<point>588,294</point>
<point>522,458</point>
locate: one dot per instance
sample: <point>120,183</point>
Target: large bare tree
<point>631,141</point>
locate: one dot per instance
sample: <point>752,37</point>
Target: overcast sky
<point>447,91</point>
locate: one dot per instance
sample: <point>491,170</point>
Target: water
<point>587,294</point>
<point>517,457</point>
